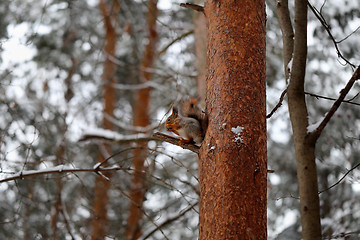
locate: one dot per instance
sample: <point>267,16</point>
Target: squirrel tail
<point>190,108</point>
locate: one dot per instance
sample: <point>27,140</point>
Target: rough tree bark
<point>142,119</point>
<point>233,161</point>
<point>102,186</point>
<point>200,50</point>
<point>304,147</point>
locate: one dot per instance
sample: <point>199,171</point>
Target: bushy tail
<point>191,108</point>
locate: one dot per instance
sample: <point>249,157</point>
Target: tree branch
<point>314,135</point>
<point>176,141</point>
<point>118,139</point>
<point>170,220</point>
<point>59,169</point>
<point>333,99</point>
<point>192,6</point>
<point>342,178</point>
<point>323,22</point>
<point>278,104</point>
<point>140,138</point>
<point>175,40</point>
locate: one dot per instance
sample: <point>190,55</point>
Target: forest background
<point>72,73</point>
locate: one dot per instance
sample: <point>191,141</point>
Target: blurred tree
<point>305,135</point>
<point>139,181</point>
<point>51,64</point>
<point>109,12</point>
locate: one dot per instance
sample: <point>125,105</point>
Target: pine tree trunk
<point>101,200</point>
<point>233,161</point>
<point>142,119</point>
<point>200,50</point>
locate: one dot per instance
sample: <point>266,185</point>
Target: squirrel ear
<point>175,110</point>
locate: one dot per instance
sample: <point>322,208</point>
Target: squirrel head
<point>172,119</point>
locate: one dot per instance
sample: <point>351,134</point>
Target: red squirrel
<point>190,125</point>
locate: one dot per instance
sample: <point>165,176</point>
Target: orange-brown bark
<point>200,50</point>
<point>233,160</point>
<point>101,199</point>
<point>56,208</point>
<point>142,118</point>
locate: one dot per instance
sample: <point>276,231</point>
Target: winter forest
<point>87,85</point>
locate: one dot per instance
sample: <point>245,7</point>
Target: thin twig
<point>66,220</point>
<point>333,99</point>
<point>126,139</point>
<point>342,235</point>
<point>314,135</point>
<point>170,220</point>
<point>278,104</point>
<point>25,174</point>
<point>175,40</point>
<point>323,22</point>
<point>340,41</point>
<point>98,165</point>
<point>137,205</point>
<point>342,178</point>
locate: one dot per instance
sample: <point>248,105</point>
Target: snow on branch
<point>105,134</point>
<point>146,84</point>
<point>59,169</point>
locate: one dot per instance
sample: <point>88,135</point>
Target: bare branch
<point>137,205</point>
<point>175,40</point>
<point>192,6</point>
<point>176,141</point>
<point>278,105</point>
<point>32,173</point>
<point>342,178</point>
<point>98,165</point>
<point>129,127</point>
<point>323,22</point>
<point>314,135</point>
<point>334,99</point>
<point>66,220</point>
<point>343,235</point>
<point>170,220</point>
<point>118,138</point>
<point>340,41</point>
<point>141,138</point>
